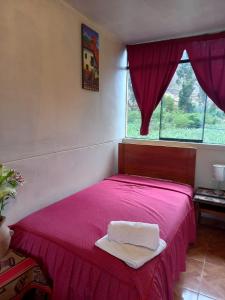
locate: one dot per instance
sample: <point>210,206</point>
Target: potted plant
<point>9,181</point>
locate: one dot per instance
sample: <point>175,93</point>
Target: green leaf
<point>13,183</point>
<point>7,191</point>
<point>6,176</point>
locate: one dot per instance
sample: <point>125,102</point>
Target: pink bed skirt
<point>61,265</point>
<point>62,236</point>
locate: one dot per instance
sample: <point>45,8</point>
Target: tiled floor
<point>204,278</point>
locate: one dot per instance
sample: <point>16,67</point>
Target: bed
<point>62,236</point>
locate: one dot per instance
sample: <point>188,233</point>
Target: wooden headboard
<point>163,162</point>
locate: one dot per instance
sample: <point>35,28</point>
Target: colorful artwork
<point>90,59</point>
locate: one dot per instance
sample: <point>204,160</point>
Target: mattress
<point>62,237</point>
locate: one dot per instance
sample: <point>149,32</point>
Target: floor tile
<point>218,236</point>
<point>198,250</point>
<point>184,294</point>
<point>192,277</point>
<point>204,232</point>
<point>205,272</point>
<point>216,251</point>
<point>213,281</point>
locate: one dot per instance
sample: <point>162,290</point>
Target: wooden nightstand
<point>20,275</point>
<point>210,200</point>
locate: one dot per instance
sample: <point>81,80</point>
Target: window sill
<point>214,147</point>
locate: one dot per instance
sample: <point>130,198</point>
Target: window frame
<point>163,139</point>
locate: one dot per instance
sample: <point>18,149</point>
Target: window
<point>184,114</point>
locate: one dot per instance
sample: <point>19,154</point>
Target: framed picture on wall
<point>90,58</point>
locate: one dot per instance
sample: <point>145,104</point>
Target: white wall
<point>207,155</point>
<point>61,137</point>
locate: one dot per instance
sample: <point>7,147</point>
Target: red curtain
<point>207,58</point>
<point>152,67</point>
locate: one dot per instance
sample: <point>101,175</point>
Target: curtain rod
<point>181,37</point>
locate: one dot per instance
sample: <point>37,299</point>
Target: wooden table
<point>210,200</point>
<point>19,275</point>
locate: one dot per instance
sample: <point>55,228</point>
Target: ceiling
<point>134,21</point>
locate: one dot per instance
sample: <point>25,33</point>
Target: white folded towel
<point>135,233</point>
<point>133,256</point>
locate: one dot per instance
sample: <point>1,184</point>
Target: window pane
<point>183,107</point>
<point>134,117</point>
<point>214,132</point>
<point>184,55</point>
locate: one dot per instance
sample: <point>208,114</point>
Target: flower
<point>10,179</point>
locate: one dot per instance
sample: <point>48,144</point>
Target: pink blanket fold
<point>62,238</point>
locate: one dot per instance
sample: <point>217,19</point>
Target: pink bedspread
<point>62,238</point>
